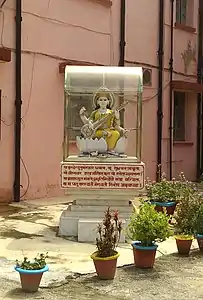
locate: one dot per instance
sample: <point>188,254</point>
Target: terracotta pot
<point>105,266</point>
<point>159,208</point>
<point>183,245</point>
<point>30,279</point>
<point>144,257</point>
<point>170,207</point>
<point>200,241</point>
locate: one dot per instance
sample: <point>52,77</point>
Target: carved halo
<point>103,92</point>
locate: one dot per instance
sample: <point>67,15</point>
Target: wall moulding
<point>107,3</point>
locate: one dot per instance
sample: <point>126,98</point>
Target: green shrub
<point>148,225</point>
<point>165,190</point>
<point>38,263</point>
<point>198,221</point>
<point>186,212</point>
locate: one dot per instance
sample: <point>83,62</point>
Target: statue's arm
<point>117,124</point>
<point>83,117</point>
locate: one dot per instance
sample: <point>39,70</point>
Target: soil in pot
<point>144,257</point>
<point>105,266</point>
<point>184,244</point>
<point>200,241</point>
<point>30,279</point>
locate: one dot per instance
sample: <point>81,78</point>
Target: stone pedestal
<point>95,184</point>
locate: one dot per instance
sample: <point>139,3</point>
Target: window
<point>79,98</point>
<point>147,77</point>
<point>184,12</point>
<point>75,123</point>
<point>179,116</point>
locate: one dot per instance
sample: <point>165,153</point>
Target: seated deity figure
<point>103,122</point>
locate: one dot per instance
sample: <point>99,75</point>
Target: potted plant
<point>31,272</point>
<point>198,225</point>
<point>145,228</point>
<point>105,258</point>
<point>184,217</point>
<point>162,195</point>
<point>166,194</point>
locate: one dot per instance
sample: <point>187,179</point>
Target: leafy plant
<point>165,190</point>
<point>38,263</point>
<point>184,188</point>
<point>148,226</point>
<point>186,212</point>
<point>198,221</point>
<point>109,234</point>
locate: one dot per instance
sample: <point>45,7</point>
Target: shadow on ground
<point>7,210</point>
<point>173,277</point>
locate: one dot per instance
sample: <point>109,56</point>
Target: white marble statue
<point>101,132</point>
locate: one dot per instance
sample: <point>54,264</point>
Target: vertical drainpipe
<point>18,102</point>
<point>171,95</point>
<point>160,89</point>
<point>122,45</point>
<point>200,96</point>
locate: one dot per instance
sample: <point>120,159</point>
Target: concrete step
<point>101,202</point>
<point>103,197</point>
<point>100,208</point>
<point>102,193</point>
<point>87,230</point>
<point>68,224</point>
<point>91,214</point>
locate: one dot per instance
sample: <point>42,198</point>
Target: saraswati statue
<point>101,132</point>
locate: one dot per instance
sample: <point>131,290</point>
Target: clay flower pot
<point>30,279</point>
<point>105,266</point>
<point>200,241</point>
<point>170,206</point>
<point>144,257</point>
<point>184,244</point>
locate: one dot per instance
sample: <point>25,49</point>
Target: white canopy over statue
<point>109,90</point>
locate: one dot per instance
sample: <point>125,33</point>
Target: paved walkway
<point>30,227</point>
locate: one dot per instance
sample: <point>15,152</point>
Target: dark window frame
<point>185,15</point>
<point>181,11</point>
<point>179,116</point>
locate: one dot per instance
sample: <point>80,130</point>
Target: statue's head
<point>103,98</point>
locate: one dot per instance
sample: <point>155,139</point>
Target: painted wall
<point>52,31</point>
<point>141,50</point>
<point>82,30</point>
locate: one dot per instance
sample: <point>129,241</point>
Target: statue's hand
<point>82,111</point>
<point>117,114</point>
<point>125,132</point>
<point>109,134</point>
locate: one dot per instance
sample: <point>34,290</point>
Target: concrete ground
<point>31,227</point>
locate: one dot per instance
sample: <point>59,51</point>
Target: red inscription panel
<point>102,176</point>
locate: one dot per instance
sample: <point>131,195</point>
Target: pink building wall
<point>141,50</point>
<point>82,30</point>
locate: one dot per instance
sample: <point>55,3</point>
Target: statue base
<point>94,184</point>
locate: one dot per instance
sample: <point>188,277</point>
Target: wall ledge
<point>187,86</point>
<point>185,27</point>
<point>183,143</point>
<point>70,62</point>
